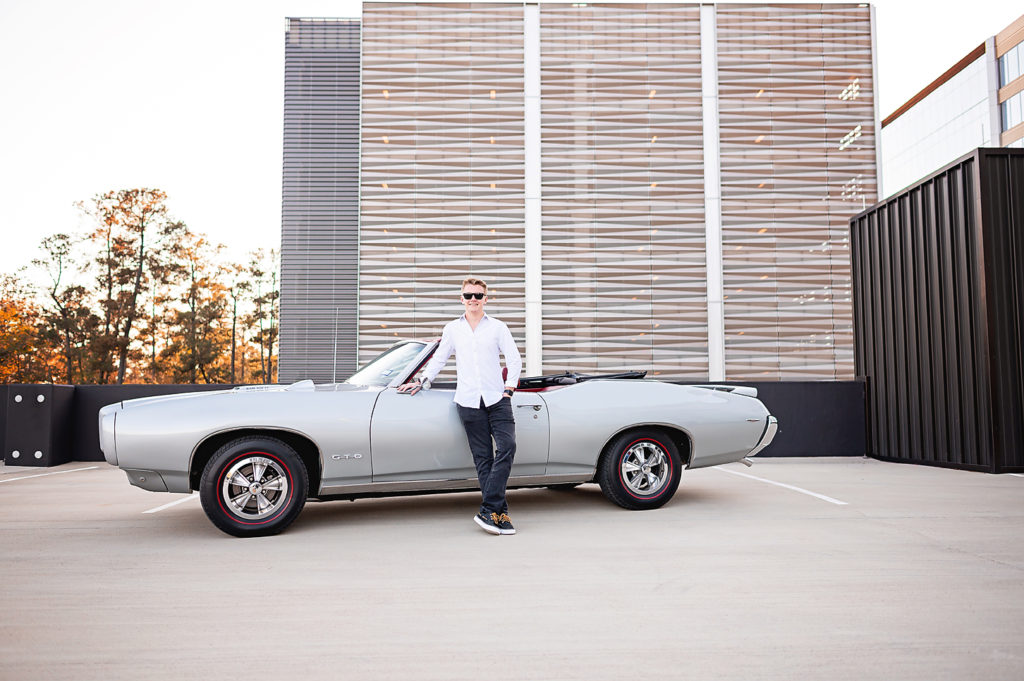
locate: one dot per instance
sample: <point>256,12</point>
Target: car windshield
<point>382,369</point>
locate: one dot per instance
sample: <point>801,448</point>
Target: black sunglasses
<point>470,296</point>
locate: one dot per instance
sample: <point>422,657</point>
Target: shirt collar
<point>463,317</point>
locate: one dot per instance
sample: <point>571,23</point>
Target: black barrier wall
<point>938,281</point>
<point>815,418</point>
<point>35,430</point>
<point>90,398</point>
<point>47,425</point>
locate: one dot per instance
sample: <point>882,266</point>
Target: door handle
<point>536,407</point>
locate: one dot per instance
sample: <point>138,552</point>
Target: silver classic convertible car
<point>256,453</point>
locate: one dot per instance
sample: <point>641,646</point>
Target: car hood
<point>300,386</point>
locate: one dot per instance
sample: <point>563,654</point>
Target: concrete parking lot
<point>812,568</point>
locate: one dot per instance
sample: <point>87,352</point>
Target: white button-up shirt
<point>476,360</point>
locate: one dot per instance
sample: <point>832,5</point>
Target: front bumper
<point>107,423</point>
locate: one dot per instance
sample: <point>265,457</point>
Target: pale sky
<point>187,96</point>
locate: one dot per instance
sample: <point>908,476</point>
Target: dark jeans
<point>493,463</point>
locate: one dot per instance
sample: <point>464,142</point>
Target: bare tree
<point>262,270</point>
<point>198,337</point>
<point>69,319</point>
<point>240,288</point>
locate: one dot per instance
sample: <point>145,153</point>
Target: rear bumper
<point>771,428</point>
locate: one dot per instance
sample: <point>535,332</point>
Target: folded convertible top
<point>571,378</point>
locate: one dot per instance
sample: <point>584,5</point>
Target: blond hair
<point>472,281</point>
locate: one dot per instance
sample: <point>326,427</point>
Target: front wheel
<point>254,486</point>
<point>640,469</point>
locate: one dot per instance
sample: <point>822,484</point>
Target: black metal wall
<point>35,432</point>
<point>1002,193</point>
<point>938,304</point>
<point>63,426</point>
<point>816,418</point>
<point>84,421</point>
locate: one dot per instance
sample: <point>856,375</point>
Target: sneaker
<point>488,521</point>
<point>505,524</point>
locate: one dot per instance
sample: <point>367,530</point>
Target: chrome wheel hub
<point>255,487</point>
<point>645,468</point>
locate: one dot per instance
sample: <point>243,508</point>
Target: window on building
<point>1011,65</point>
<point>1013,111</point>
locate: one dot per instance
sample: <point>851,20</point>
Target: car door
<point>420,437</point>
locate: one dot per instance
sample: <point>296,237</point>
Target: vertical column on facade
<point>995,121</point>
<point>712,193</point>
<point>878,121</point>
<point>532,187</point>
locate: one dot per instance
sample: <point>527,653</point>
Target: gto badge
<point>339,457</point>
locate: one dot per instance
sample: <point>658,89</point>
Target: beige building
<point>661,186</point>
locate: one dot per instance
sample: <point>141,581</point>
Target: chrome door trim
<point>460,484</point>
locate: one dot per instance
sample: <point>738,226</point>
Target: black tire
<point>622,475</point>
<point>565,486</point>
<point>275,498</point>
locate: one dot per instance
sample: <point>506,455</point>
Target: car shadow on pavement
<point>585,501</point>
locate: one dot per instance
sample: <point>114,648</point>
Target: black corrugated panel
<point>1002,192</point>
<point>938,280</point>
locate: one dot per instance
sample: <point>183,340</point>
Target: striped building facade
<point>661,186</point>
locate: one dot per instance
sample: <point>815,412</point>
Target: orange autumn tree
<point>134,239</point>
<point>24,356</point>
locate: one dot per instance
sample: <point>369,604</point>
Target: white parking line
<point>173,503</point>
<point>39,475</point>
<point>1016,475</point>
<point>780,484</point>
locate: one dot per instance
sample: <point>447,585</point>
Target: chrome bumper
<point>768,436</point>
<point>107,421</point>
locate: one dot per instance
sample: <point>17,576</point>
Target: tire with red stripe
<point>640,469</point>
<point>254,486</point>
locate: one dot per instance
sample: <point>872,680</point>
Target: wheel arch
<point>679,437</point>
<point>303,446</point>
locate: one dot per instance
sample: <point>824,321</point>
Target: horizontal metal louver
<point>320,201</point>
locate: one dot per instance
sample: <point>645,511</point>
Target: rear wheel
<point>254,486</point>
<point>640,469</point>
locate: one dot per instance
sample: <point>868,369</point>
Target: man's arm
<point>513,361</point>
<point>440,358</point>
<point>434,366</point>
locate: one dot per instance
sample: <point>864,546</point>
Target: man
<point>484,404</point>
